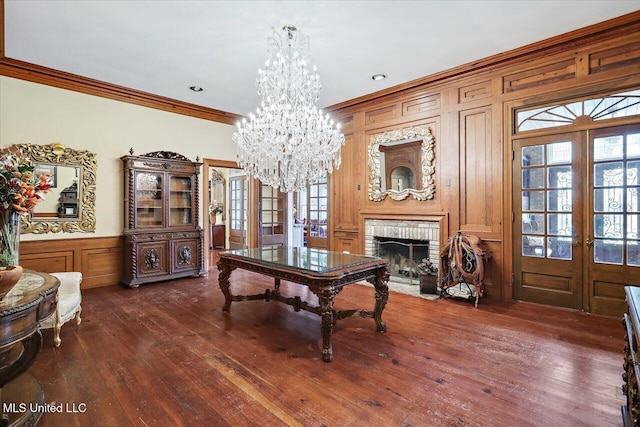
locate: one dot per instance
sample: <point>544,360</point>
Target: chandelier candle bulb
<point>288,143</point>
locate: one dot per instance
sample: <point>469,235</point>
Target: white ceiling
<point>163,47</point>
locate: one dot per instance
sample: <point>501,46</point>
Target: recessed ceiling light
<point>196,88</point>
<point>378,77</point>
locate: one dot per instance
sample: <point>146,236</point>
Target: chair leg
<point>56,335</point>
<point>57,325</point>
<point>78,319</point>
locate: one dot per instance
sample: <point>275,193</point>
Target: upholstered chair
<point>69,300</point>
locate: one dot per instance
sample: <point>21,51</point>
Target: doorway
<point>218,178</point>
<point>576,218</point>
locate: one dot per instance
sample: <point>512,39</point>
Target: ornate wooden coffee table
<point>325,273</point>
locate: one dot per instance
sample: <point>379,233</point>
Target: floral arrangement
<point>215,207</point>
<point>20,189</point>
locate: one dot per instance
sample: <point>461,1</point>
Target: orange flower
<point>28,190</point>
<point>20,188</point>
<point>30,203</point>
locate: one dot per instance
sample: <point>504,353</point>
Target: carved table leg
<point>325,299</point>
<point>223,281</point>
<point>382,295</point>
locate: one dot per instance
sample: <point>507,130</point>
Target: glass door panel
<point>180,201</point>
<point>149,206</point>
<point>615,199</point>
<point>546,197</point>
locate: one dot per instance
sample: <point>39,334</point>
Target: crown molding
<point>50,77</point>
<point>610,28</point>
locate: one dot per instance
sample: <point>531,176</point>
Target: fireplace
<point>405,257</point>
<point>405,244</point>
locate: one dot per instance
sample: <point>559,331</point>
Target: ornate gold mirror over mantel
<point>401,164</point>
<point>69,206</point>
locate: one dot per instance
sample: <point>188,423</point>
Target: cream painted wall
<point>40,114</point>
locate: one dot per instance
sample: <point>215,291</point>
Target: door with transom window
<point>576,218</point>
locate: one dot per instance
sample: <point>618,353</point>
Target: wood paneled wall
<point>98,259</point>
<point>469,110</point>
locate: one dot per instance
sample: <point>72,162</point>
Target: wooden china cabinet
<point>163,240</point>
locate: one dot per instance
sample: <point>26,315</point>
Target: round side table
<point>32,299</point>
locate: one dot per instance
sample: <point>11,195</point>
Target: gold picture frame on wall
<point>52,157</point>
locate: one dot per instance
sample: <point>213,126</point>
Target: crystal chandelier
<point>288,143</point>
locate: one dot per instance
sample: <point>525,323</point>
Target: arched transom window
<point>578,112</point>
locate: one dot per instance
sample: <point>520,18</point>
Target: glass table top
<point>309,259</point>
<point>29,287</point>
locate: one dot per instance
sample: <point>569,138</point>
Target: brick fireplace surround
<point>414,229</point>
<point>403,229</point>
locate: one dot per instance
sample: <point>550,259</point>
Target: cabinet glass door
<point>180,201</point>
<point>149,207</point>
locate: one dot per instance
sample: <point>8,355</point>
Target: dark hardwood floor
<point>165,355</point>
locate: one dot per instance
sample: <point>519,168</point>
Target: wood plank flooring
<point>165,355</point>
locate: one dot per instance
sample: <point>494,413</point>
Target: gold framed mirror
<point>217,187</point>
<point>401,163</point>
<point>70,204</point>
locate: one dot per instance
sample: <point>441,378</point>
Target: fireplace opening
<point>405,257</point>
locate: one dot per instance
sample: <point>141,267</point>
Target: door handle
<point>589,243</point>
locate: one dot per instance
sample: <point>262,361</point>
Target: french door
<point>312,210</point>
<point>576,218</point>
<point>238,193</point>
<point>548,245</point>
<point>614,217</point>
<point>272,221</point>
